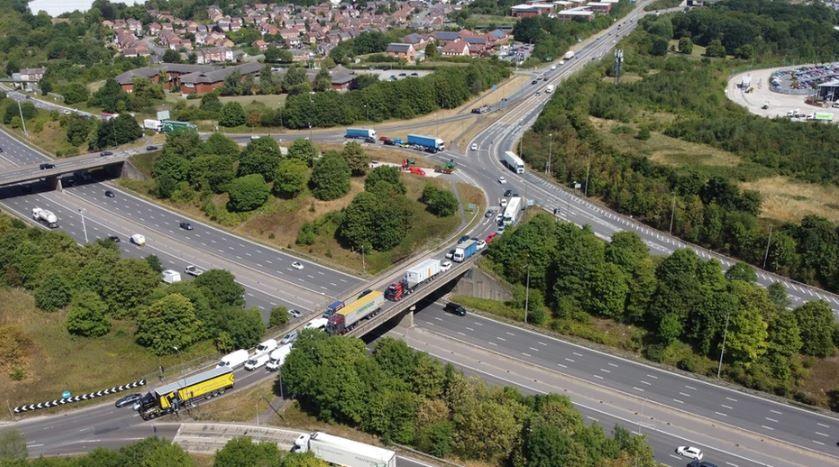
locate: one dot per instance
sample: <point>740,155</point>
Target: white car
<point>449,254</point>
<point>553,67</point>
<point>297,265</point>
<point>474,146</point>
<point>481,244</point>
<point>138,239</point>
<point>445,265</point>
<point>690,452</point>
<point>502,180</point>
<point>503,204</point>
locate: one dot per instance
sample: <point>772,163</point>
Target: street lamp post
<point>550,155</point>
<point>84,227</point>
<point>527,290</point>
<point>722,350</point>
<point>22,120</point>
<point>672,213</point>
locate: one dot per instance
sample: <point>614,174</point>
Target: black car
<point>463,239</point>
<point>106,153</point>
<point>46,165</point>
<point>362,294</point>
<point>453,307</point>
<point>151,148</point>
<point>113,238</point>
<point>508,193</point>
<point>534,81</point>
<point>696,463</point>
<point>109,194</point>
<point>128,400</point>
<point>186,225</point>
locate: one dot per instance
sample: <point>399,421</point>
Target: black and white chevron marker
<point>81,397</point>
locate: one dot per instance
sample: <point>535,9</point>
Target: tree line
<point>404,396</point>
<point>96,286</point>
<point>706,206</point>
<point>689,306</point>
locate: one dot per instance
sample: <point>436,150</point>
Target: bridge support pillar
<point>407,320</point>
<point>54,183</point>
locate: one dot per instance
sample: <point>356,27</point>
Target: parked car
<point>453,307</point>
<point>445,265</point>
<point>109,194</point>
<point>127,400</point>
<point>297,265</point>
<point>185,225</point>
<point>690,452</point>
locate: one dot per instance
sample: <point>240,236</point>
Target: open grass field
<point>789,200</point>
<point>272,101</point>
<point>52,361</point>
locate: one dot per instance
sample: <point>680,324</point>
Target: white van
<point>317,323</point>
<point>257,361</point>
<point>266,346</point>
<point>171,276</point>
<point>138,239</point>
<point>278,357</point>
<point>233,359</point>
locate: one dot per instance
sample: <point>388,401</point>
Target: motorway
<point>269,280</point>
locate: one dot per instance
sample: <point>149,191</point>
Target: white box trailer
<point>421,272</point>
<point>513,162</point>
<point>511,212</point>
<point>344,452</point>
<point>151,124</point>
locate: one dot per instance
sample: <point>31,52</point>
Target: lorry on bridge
<point>414,276</point>
<point>366,134</point>
<point>513,162</point>
<point>46,217</point>
<point>347,317</point>
<point>342,451</point>
<point>465,250</point>
<point>185,392</point>
<point>426,143</point>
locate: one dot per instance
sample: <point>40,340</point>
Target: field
<point>272,101</point>
<point>53,361</point>
<point>789,200</point>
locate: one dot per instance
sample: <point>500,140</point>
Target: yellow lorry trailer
<point>185,392</point>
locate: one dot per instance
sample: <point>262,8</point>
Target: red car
<point>491,237</point>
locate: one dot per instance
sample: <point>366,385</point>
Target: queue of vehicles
<point>420,142</point>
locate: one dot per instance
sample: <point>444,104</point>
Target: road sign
<point>66,395</point>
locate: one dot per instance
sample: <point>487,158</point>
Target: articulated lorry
<point>185,392</point>
<point>361,133</point>
<point>426,143</point>
<point>513,162</point>
<point>46,217</point>
<point>347,317</point>
<point>344,452</point>
<point>414,276</point>
<point>511,212</point>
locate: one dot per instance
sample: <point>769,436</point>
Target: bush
<point>87,315</point>
<point>247,193</point>
<point>330,177</point>
<point>291,178</point>
<point>441,203</point>
<point>232,114</point>
<point>53,292</point>
<point>279,317</point>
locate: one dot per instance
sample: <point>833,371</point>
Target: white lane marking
<point>613,364</point>
<point>817,442</point>
<point>577,354</point>
<point>569,360</point>
<point>690,387</point>
<point>526,354</point>
<point>676,457</point>
<point>727,407</point>
<point>493,343</point>
<point>561,365</point>
<point>651,376</point>
<point>509,333</point>
<point>646,382</point>
<point>605,370</point>
<point>469,329</point>
<point>684,394</point>
<point>500,338</point>
<point>678,401</point>
<point>462,334</point>
<point>822,425</point>
<point>732,464</point>
<point>438,318</point>
<point>542,343</point>
<point>767,427</point>
<point>771,419</point>
<point>775,412</point>
<point>721,414</point>
<point>637,388</point>
<point>592,418</point>
<point>598,376</point>
<point>533,349</point>
<point>730,399</point>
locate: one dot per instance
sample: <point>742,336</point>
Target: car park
<point>185,225</point>
<point>445,265</point>
<point>127,400</point>
<point>690,452</point>
<point>297,265</point>
<point>109,194</point>
<point>454,308</point>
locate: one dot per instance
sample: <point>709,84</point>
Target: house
<point>417,40</point>
<point>167,74</point>
<point>342,78</point>
<point>455,48</point>
<point>402,51</point>
<point>27,78</point>
<point>599,7</point>
<point>155,28</point>
<point>578,14</point>
<point>261,45</point>
<point>444,37</point>
<point>214,55</point>
<point>203,82</point>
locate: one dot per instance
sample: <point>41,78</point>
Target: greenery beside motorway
<point>407,397</point>
<point>680,96</point>
<point>683,306</point>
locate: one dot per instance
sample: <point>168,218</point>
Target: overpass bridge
<point>53,170</point>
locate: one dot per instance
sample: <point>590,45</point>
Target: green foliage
<point>356,158</point>
<point>78,130</point>
<point>74,93</point>
<point>110,97</point>
<point>247,193</point>
<point>242,328</point>
<point>211,172</point>
<point>330,177</point>
<point>126,286</point>
<point>277,55</point>
<point>304,150</point>
<point>120,130</point>
<point>742,272</point>
<point>243,452</point>
<point>171,56</point>
<point>54,292</point>
<point>279,317</point>
<point>815,322</point>
<point>154,263</point>
<point>374,220</point>
<point>210,103</point>
<point>168,325</point>
<point>291,178</point>
<point>389,175</point>
<point>232,114</point>
<point>439,202</point>
<point>221,288</point>
<point>87,316</point>
<point>685,45</point>
<point>261,156</point>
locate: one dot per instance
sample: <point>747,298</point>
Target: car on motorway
<point>109,194</point>
<point>508,193</point>
<point>449,254</point>
<point>193,270</point>
<point>105,154</point>
<point>553,67</point>
<point>317,323</point>
<point>151,148</point>
<point>127,400</point>
<point>503,202</point>
<point>474,146</point>
<point>113,238</point>
<point>138,239</point>
<point>696,463</point>
<point>481,244</point>
<point>289,338</point>
<point>491,237</point>
<point>297,265</point>
<point>445,265</point>
<point>489,213</point>
<point>502,180</point>
<point>295,313</point>
<point>453,307</point>
<point>690,452</point>
<point>463,239</point>
<point>46,165</point>
<point>185,225</point>
<point>538,93</point>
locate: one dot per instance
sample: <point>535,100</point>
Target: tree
<point>784,334</point>
<point>815,321</point>
<point>243,452</point>
<point>356,158</point>
<point>221,288</point>
<point>168,325</point>
<point>277,55</point>
<point>607,292</point>
<point>330,177</point>
<point>78,130</point>
<point>677,293</point>
<point>120,130</point>
<point>279,317</point>
<point>715,49</point>
<point>126,286</point>
<point>303,149</point>
<point>261,156</point>
<point>154,263</point>
<point>247,193</point>
<point>220,145</point>
<point>291,178</point>
<point>685,45</point>
<point>430,50</point>
<point>441,203</point>
<point>12,446</point>
<point>210,103</point>
<point>183,144</point>
<point>658,46</point>
<point>295,76</point>
<point>742,272</point>
<point>53,292</point>
<point>385,174</point>
<point>211,172</point>
<point>45,85</point>
<point>232,115</point>
<point>243,328</point>
<point>110,97</point>
<point>296,459</point>
<point>266,81</point>
<point>87,315</point>
<point>323,81</point>
<point>747,330</point>
<point>374,220</point>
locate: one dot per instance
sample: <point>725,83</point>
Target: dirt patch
<point>787,200</point>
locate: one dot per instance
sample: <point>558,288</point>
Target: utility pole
<point>588,170</point>
<point>84,228</point>
<point>768,242</point>
<point>722,350</point>
<point>672,213</point>
<point>22,120</point>
<point>527,290</point>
